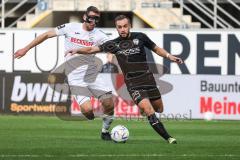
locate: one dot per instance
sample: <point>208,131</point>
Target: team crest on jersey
<point>135,41</point>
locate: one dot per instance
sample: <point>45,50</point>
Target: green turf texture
<point>43,137</point>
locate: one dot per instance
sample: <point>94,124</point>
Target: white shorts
<point>85,85</point>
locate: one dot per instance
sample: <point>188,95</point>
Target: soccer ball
<point>119,134</point>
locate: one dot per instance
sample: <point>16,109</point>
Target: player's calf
<point>157,105</point>
<point>87,111</point>
<point>153,120</point>
<point>108,117</point>
<point>108,106</point>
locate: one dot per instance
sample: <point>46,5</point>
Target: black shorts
<point>143,86</point>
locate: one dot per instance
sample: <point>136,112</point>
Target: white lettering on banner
<point>35,92</point>
<point>19,90</point>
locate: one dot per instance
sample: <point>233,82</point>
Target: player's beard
<point>125,35</point>
<point>90,27</point>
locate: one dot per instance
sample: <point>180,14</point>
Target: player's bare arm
<point>163,53</point>
<point>84,50</point>
<point>39,39</point>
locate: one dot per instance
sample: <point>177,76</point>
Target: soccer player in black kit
<point>131,56</point>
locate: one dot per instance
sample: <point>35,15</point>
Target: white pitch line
<point>118,155</point>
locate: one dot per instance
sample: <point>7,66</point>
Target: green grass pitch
<point>43,138</point>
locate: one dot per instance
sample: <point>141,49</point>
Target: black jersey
<point>130,52</point>
<point>132,59</point>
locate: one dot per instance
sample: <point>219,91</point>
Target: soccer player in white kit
<point>82,73</point>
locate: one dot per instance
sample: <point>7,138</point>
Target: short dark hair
<point>121,17</point>
<point>92,9</point>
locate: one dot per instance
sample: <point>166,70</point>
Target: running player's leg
<point>155,99</point>
<point>86,106</point>
<point>108,116</point>
<point>157,105</point>
<point>101,91</point>
<point>145,105</point>
<point>76,72</point>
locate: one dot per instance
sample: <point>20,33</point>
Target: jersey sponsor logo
<point>80,41</point>
<point>130,51</point>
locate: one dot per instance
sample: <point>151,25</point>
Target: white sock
<point>107,120</point>
<point>157,115</point>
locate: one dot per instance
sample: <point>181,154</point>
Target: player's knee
<point>108,106</point>
<point>109,109</point>
<point>146,106</point>
<point>148,110</point>
<point>107,103</point>
<point>158,107</point>
<point>86,109</point>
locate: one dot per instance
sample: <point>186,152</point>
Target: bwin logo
<point>36,92</point>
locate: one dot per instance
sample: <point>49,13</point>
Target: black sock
<point>158,126</point>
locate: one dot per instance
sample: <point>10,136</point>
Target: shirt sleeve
<point>109,46</point>
<point>102,38</point>
<point>148,42</point>
<point>62,29</point>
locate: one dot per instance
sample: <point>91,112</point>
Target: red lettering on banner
<point>123,107</point>
<point>126,108</point>
<point>219,107</point>
<point>75,106</point>
<point>233,108</point>
<point>205,107</point>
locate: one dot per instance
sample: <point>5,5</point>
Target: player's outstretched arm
<point>39,39</point>
<point>84,50</point>
<point>163,53</point>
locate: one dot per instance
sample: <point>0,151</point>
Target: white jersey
<point>76,37</point>
<point>83,70</point>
